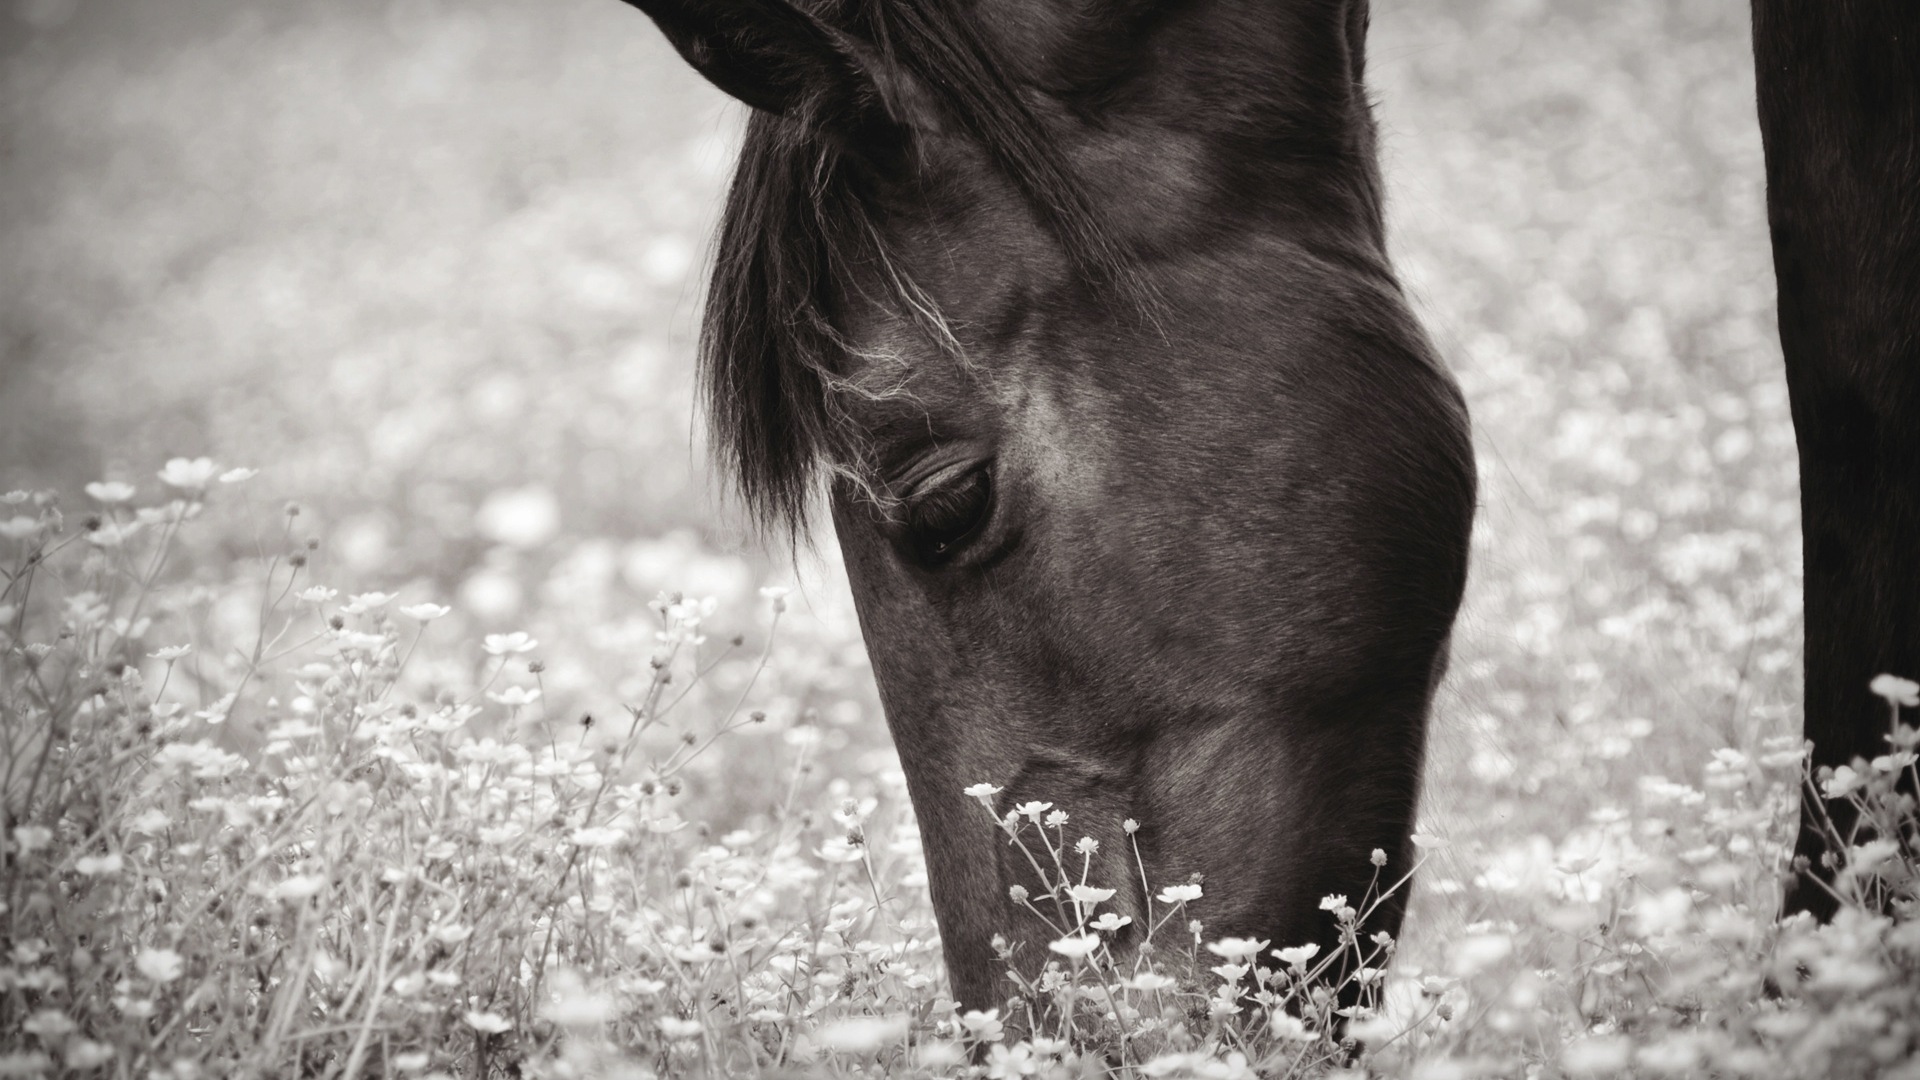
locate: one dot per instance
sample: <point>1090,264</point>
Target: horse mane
<point>795,222</point>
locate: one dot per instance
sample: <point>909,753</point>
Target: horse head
<point>1153,496</point>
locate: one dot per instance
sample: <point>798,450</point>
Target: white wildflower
<point>507,644</point>
<point>1075,946</point>
<point>677,1029</point>
<point>1289,1028</point>
<point>1843,781</point>
<point>597,836</point>
<point>31,838</point>
<point>1089,894</point>
<point>983,1026</point>
<point>361,603</point>
<point>98,865</point>
<point>863,1034</point>
<point>159,965</point>
<point>487,1022</point>
<point>1235,948</point>
<point>1896,690</point>
<point>189,474</point>
<point>1298,955</point>
<point>84,1054</point>
<point>110,492</point>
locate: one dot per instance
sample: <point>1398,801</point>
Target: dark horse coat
<point>1839,92</point>
<point>1154,498</point>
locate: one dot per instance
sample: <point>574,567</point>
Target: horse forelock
<point>797,226</point>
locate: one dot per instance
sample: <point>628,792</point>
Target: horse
<point>1153,494</point>
<point>1839,101</point>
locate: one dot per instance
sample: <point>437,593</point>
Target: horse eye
<point>942,519</point>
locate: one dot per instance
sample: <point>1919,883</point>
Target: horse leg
<point>1839,98</point>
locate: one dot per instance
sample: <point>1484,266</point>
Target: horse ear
<point>766,53</point>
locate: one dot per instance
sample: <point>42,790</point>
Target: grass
<point>428,269</point>
<point>278,847</point>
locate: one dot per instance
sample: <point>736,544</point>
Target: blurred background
<point>434,269</point>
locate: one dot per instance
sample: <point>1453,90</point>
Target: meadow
<point>390,690</point>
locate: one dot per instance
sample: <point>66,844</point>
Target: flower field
<point>389,690</point>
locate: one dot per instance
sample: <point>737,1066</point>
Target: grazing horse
<point>1154,498</point>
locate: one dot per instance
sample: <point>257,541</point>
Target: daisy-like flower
<point>862,1034</point>
<point>508,644</point>
<point>1843,782</point>
<point>98,865</point>
<point>1896,690</point>
<point>1179,894</point>
<point>189,474</point>
<point>1089,894</point>
<point>675,1028</point>
<point>110,492</point>
<point>1236,948</point>
<point>515,697</point>
<point>984,793</point>
<point>983,1026</point>
<point>1862,858</point>
<point>1230,972</point>
<point>112,534</point>
<point>1075,946</point>
<point>159,965</point>
<point>1289,1027</point>
<point>1032,810</point>
<point>1086,845</point>
<point>19,527</point>
<point>1149,981</point>
<point>1056,819</point>
<point>597,836</point>
<point>152,822</point>
<point>84,1054</point>
<point>297,887</point>
<point>238,476</point>
<point>836,849</point>
<point>361,603</point>
<point>487,1022</point>
<point>317,594</point>
<point>1298,955</point>
<point>1110,922</point>
<point>48,1024</point>
<point>170,653</point>
<point>1428,841</point>
<point>1333,902</point>
<point>1893,763</point>
<point>31,838</point>
<point>425,612</point>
